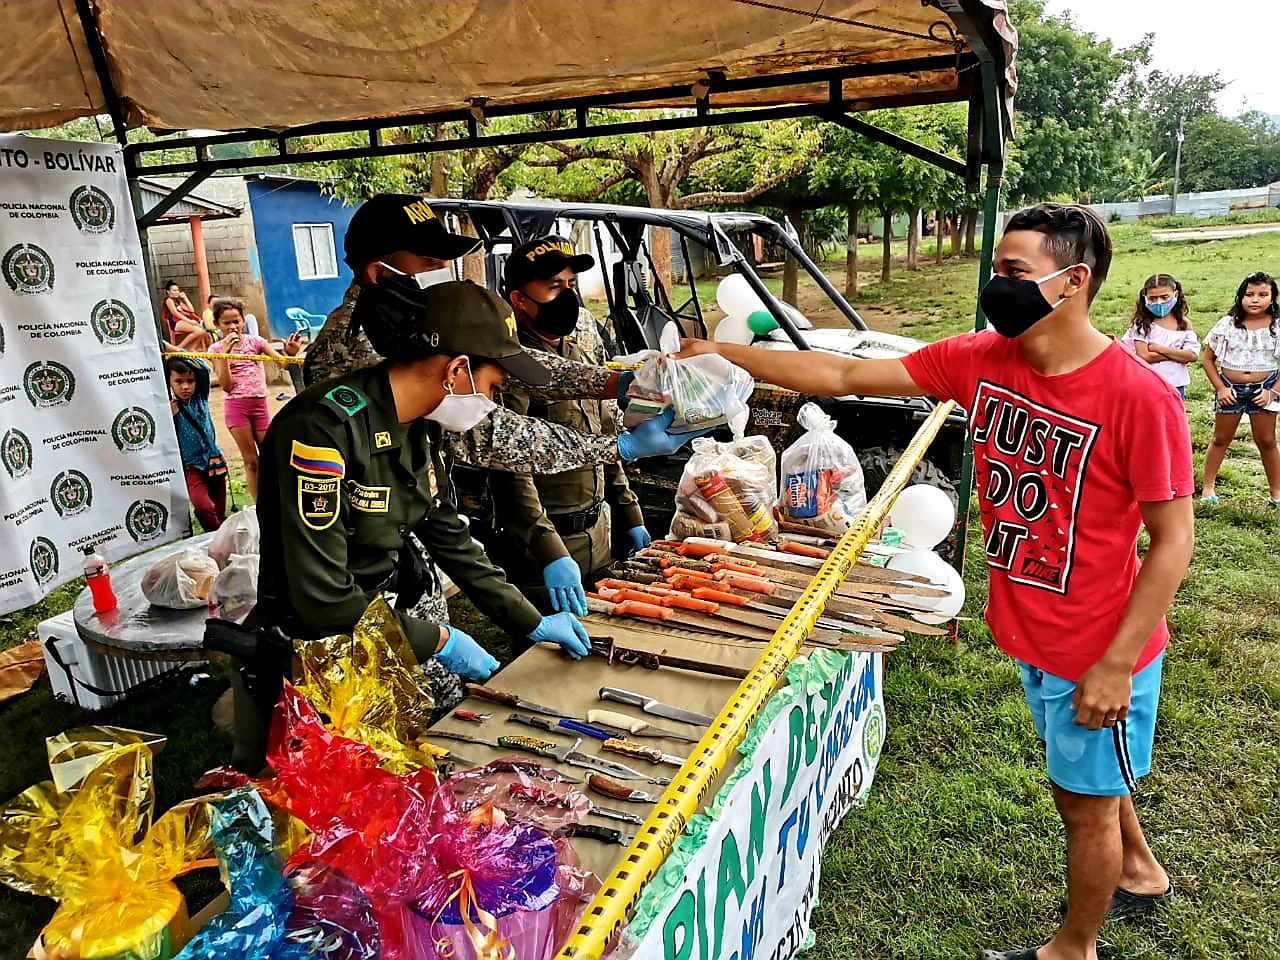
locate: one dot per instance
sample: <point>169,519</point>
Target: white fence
<point>1217,203</point>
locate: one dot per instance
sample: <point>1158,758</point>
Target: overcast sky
<point>1237,38</point>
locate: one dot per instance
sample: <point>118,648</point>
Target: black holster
<point>264,657</point>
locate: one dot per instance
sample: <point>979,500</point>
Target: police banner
<point>748,889</point>
<point>88,452</point>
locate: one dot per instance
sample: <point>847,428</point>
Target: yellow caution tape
<point>260,357</point>
<point>615,365</point>
<point>613,905</point>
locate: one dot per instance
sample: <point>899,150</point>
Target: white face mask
<point>459,412</point>
<point>427,278</point>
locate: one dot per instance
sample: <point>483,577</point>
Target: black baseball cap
<point>542,259</point>
<point>400,221</point>
<point>462,317</point>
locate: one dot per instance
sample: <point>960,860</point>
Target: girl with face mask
<point>1160,333</point>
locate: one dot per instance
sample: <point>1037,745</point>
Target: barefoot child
<point>203,466</point>
<point>244,383</point>
<point>1160,332</point>
<point>1240,361</point>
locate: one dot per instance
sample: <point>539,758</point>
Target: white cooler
<point>86,677</point>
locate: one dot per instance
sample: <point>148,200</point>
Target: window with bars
<point>313,247</point>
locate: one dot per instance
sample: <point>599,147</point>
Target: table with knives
<point>673,632</point>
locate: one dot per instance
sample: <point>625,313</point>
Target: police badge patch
<point>112,323</point>
<point>318,501</point>
<point>48,383</point>
<point>92,210</point>
<point>27,269</point>
<point>133,429</point>
<point>15,451</point>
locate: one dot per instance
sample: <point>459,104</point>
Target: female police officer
<point>351,467</point>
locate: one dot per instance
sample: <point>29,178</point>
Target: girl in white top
<point>1240,361</point>
<point>1160,332</point>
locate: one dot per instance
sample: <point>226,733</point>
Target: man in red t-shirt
<point>1076,445</point>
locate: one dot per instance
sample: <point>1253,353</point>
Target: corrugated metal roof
<point>192,205</point>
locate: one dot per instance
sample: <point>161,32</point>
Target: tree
<point>726,166</point>
<point>1168,99</point>
<point>1074,116</point>
<point>1222,154</point>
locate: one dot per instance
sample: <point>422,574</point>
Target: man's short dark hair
<point>1072,234</point>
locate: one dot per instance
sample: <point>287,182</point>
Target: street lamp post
<point>1177,166</point>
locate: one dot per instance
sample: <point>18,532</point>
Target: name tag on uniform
<point>368,499</point>
<point>318,501</point>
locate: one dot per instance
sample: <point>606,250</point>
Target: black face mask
<point>1015,306</point>
<point>388,312</point>
<point>558,316</point>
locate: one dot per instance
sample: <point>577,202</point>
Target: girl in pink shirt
<point>1160,332</point>
<point>244,383</point>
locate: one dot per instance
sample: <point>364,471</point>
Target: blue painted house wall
<point>277,206</point>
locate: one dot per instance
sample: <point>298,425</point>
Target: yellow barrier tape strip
<point>613,905</point>
<point>260,357</point>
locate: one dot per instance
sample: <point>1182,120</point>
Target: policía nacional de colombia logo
<point>133,429</point>
<point>112,323</point>
<point>146,519</point>
<point>71,493</point>
<point>873,733</point>
<point>15,453</point>
<point>27,269</point>
<point>43,558</point>
<point>48,383</point>
<point>92,210</point>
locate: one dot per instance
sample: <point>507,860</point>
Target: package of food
<point>705,391</point>
<point>238,535</point>
<point>822,483</point>
<point>727,488</point>
<point>235,589</point>
<point>180,581</point>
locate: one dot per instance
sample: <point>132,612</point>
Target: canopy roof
<point>246,65</point>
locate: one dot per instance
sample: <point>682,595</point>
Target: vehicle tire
<point>878,461</point>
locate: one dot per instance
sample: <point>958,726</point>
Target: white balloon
<point>736,298</point>
<point>733,329</point>
<point>923,563</point>
<point>924,514</point>
<point>945,608</point>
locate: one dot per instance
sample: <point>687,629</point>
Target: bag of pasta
<point>180,581</point>
<point>728,491</point>
<point>822,483</point>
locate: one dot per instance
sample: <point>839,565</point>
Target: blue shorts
<point>1100,763</point>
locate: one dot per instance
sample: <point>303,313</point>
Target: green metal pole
<point>990,212</point>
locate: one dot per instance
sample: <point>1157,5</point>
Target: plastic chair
<point>305,323</point>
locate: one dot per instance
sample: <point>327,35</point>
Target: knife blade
<point>655,706</point>
<point>633,726</point>
<point>551,798</point>
<point>591,831</point>
<point>498,745</point>
<point>619,791</point>
<point>572,756</point>
<point>610,814</point>
<point>629,748</point>
<point>480,691</point>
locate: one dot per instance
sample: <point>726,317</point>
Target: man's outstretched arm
<point>814,372</point>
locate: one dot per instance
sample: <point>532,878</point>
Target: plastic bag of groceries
<point>706,391</point>
<point>180,581</point>
<point>235,589</point>
<point>822,482</point>
<point>728,491</point>
<point>239,534</point>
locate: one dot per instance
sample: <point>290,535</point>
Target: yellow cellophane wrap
<point>95,850</point>
<point>371,688</point>
<point>74,753</point>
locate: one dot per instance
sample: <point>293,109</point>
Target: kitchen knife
<point>655,707</point>
<point>633,726</point>
<point>510,700</point>
<point>619,791</point>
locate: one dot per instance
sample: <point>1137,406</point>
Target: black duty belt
<point>579,521</point>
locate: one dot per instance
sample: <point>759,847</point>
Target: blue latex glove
<point>625,379</point>
<point>564,584</point>
<point>639,537</point>
<point>465,657</point>
<point>564,629</point>
<point>651,439</point>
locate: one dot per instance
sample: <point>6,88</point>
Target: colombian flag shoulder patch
<point>317,461</point>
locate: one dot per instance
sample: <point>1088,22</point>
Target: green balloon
<point>761,322</point>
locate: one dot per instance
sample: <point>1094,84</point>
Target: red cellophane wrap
<point>369,823</point>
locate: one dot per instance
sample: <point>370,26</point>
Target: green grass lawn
<point>959,846</point>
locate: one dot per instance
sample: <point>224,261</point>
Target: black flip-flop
<point>1126,905</point>
<point>1030,953</point>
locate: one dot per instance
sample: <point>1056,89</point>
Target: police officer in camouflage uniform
<point>352,466</point>
<point>556,524</point>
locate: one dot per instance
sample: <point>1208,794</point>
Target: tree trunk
<point>970,231</point>
<point>660,251</point>
<point>939,227</point>
<point>790,266</point>
<point>913,241</point>
<point>955,234</point>
<point>851,255</point>
<point>886,241</point>
<point>439,166</point>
